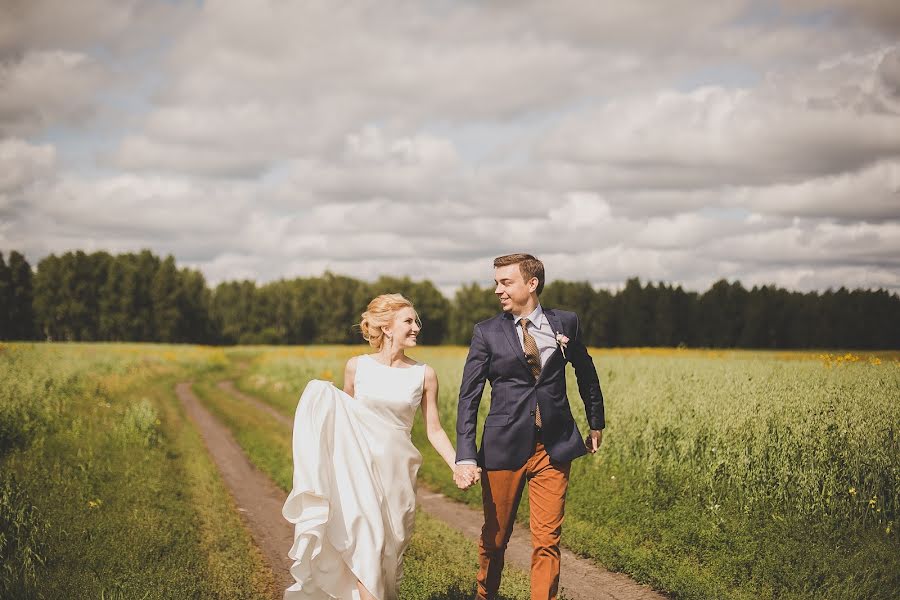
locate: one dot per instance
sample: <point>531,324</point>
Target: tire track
<point>580,579</point>
<point>257,497</point>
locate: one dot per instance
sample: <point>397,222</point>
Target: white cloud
<point>814,243</point>
<point>45,88</point>
<point>882,15</point>
<point>374,166</point>
<point>682,142</point>
<point>191,219</point>
<point>871,194</point>
<point>117,24</point>
<point>715,136</point>
<point>23,163</point>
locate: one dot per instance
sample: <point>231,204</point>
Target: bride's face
<point>404,328</point>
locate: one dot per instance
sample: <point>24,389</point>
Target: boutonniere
<point>561,341</point>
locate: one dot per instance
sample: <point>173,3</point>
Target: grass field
<point>721,475</point>
<point>106,489</point>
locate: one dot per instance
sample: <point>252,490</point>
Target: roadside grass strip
<point>723,474</point>
<point>105,491</point>
<point>235,565</point>
<point>440,564</point>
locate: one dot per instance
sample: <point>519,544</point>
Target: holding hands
<point>465,476</point>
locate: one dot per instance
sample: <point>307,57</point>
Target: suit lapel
<point>556,327</point>
<point>509,328</point>
<point>555,323</point>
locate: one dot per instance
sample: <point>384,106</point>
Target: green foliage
<point>721,474</point>
<point>138,297</point>
<point>16,298</point>
<point>167,300</point>
<point>105,493</point>
<point>30,402</point>
<point>471,304</point>
<point>67,293</point>
<point>129,297</point>
<point>431,305</point>
<point>441,565</point>
<point>23,540</point>
<point>141,422</point>
<point>231,307</point>
<point>594,308</point>
<point>5,299</point>
<point>18,421</point>
<point>761,434</point>
<point>126,305</point>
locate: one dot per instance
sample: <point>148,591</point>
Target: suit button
<point>532,413</point>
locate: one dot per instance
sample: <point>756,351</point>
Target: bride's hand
<point>465,476</point>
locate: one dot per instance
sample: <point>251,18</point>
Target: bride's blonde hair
<point>380,313</point>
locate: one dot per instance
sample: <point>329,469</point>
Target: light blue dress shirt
<point>540,330</point>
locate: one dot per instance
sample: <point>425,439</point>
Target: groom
<point>529,434</point>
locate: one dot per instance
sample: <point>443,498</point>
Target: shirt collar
<point>536,317</point>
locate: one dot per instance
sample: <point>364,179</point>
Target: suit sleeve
<point>474,376</point>
<point>588,381</point>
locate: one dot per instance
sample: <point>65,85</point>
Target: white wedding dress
<point>353,500</point>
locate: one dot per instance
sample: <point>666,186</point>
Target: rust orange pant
<point>501,492</point>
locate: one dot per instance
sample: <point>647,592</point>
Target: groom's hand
<point>593,440</point>
<point>465,476</point>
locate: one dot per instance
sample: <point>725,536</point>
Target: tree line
<point>139,297</point>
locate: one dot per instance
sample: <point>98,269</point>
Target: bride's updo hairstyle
<point>380,313</point>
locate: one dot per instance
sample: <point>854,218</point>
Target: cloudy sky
<point>679,140</point>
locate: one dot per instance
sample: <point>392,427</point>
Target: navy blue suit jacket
<point>496,355</point>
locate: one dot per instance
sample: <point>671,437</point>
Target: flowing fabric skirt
<point>353,498</point>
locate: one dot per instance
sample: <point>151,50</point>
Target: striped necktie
<point>534,362</point>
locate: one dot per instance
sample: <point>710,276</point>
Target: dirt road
<point>258,499</point>
<point>260,502</point>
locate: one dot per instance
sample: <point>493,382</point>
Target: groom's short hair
<point>529,266</point>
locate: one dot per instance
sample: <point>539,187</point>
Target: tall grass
<point>107,489</point>
<point>96,490</point>
<point>439,564</point>
<point>722,474</point>
<point>794,437</point>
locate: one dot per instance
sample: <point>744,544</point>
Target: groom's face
<point>512,290</point>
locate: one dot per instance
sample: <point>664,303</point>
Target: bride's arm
<point>350,376</point>
<point>436,434</point>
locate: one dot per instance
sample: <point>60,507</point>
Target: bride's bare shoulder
<point>351,363</point>
<point>350,375</point>
<point>431,377</point>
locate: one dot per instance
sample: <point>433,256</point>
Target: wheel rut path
<point>259,501</point>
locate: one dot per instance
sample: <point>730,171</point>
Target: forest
<point>141,297</point>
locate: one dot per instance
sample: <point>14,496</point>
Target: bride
<point>353,500</point>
